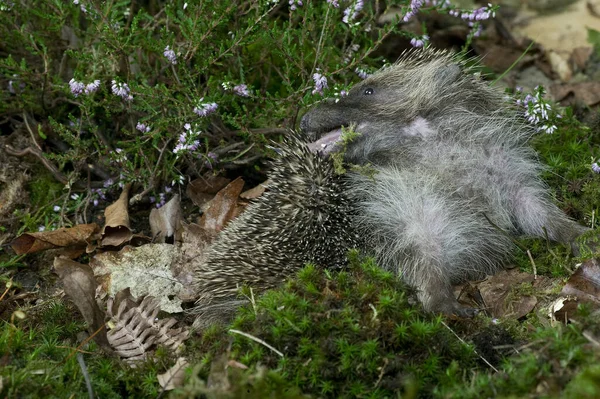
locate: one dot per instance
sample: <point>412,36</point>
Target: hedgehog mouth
<point>328,142</point>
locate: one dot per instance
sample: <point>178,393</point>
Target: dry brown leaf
<point>191,252</point>
<point>136,330</point>
<point>560,66</point>
<point>559,31</point>
<point>123,296</point>
<point>116,229</point>
<point>563,309</point>
<point>500,293</point>
<point>585,282</point>
<point>79,235</point>
<point>175,376</point>
<point>222,208</point>
<point>166,220</point>
<point>587,93</point>
<point>254,192</point>
<point>580,57</point>
<point>203,189</point>
<point>80,285</point>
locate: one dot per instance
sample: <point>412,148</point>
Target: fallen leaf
<point>123,296</point>
<point>147,270</point>
<point>501,296</point>
<point>194,243</point>
<point>203,189</point>
<point>580,57</point>
<point>563,309</point>
<point>175,376</point>
<point>78,236</point>
<point>116,229</point>
<point>166,220</point>
<point>80,285</point>
<point>585,282</point>
<point>560,66</point>
<point>254,192</point>
<point>560,31</point>
<point>222,208</point>
<point>587,93</point>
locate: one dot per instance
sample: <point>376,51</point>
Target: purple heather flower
<point>92,87</point>
<point>361,73</point>
<point>56,208</point>
<point>142,127</point>
<point>351,12</point>
<point>294,4</point>
<point>596,167</point>
<point>168,189</point>
<point>422,41</point>
<point>170,55</point>
<point>76,87</point>
<point>108,183</point>
<point>188,141</point>
<point>211,158</point>
<point>334,3</point>
<point>41,228</point>
<point>121,90</point>
<point>479,14</point>
<point>413,8</point>
<point>204,109</point>
<point>95,202</point>
<point>320,83</point>
<point>242,89</point>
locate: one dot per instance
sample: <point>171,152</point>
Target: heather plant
<point>154,93</point>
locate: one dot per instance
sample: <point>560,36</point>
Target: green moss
<point>44,189</point>
<point>41,361</point>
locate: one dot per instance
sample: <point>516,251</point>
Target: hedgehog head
<point>405,101</point>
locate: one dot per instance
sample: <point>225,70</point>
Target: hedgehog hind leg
<point>537,216</point>
<point>434,288</point>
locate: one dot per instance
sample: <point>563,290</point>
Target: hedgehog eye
<point>369,91</point>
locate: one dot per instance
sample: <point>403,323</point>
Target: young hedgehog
<point>304,216</point>
<point>453,173</point>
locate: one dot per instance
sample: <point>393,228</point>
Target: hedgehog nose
<point>304,123</point>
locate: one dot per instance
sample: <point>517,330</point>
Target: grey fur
<point>450,156</point>
<point>304,216</point>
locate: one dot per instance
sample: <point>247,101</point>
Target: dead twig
<point>39,154</point>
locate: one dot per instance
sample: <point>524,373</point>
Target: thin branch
<point>255,339</point>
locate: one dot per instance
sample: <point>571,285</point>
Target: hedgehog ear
<point>449,73</point>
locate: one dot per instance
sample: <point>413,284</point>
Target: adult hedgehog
<point>453,173</point>
<point>304,216</point>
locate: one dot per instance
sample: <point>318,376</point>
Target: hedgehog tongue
<point>327,143</point>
